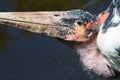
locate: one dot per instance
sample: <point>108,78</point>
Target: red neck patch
<point>104,17</point>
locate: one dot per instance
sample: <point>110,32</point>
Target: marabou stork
<point>100,55</point>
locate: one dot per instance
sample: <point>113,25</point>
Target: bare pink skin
<point>93,60</point>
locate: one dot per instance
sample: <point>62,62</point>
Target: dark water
<point>29,56</point>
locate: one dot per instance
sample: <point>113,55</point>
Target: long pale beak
<point>59,24</point>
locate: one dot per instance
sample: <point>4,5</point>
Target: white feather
<point>109,41</point>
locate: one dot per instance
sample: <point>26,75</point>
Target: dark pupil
<point>79,22</point>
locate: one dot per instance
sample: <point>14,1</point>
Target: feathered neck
<point>92,60</point>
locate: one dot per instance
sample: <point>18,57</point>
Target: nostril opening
<point>56,15</point>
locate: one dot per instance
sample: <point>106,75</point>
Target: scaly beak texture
<point>57,24</point>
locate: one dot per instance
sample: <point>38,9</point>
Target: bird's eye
<point>80,22</point>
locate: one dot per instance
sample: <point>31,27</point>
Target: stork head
<point>73,25</point>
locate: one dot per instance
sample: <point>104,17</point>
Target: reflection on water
<point>29,56</point>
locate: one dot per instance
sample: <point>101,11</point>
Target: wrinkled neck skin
<point>92,60</point>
